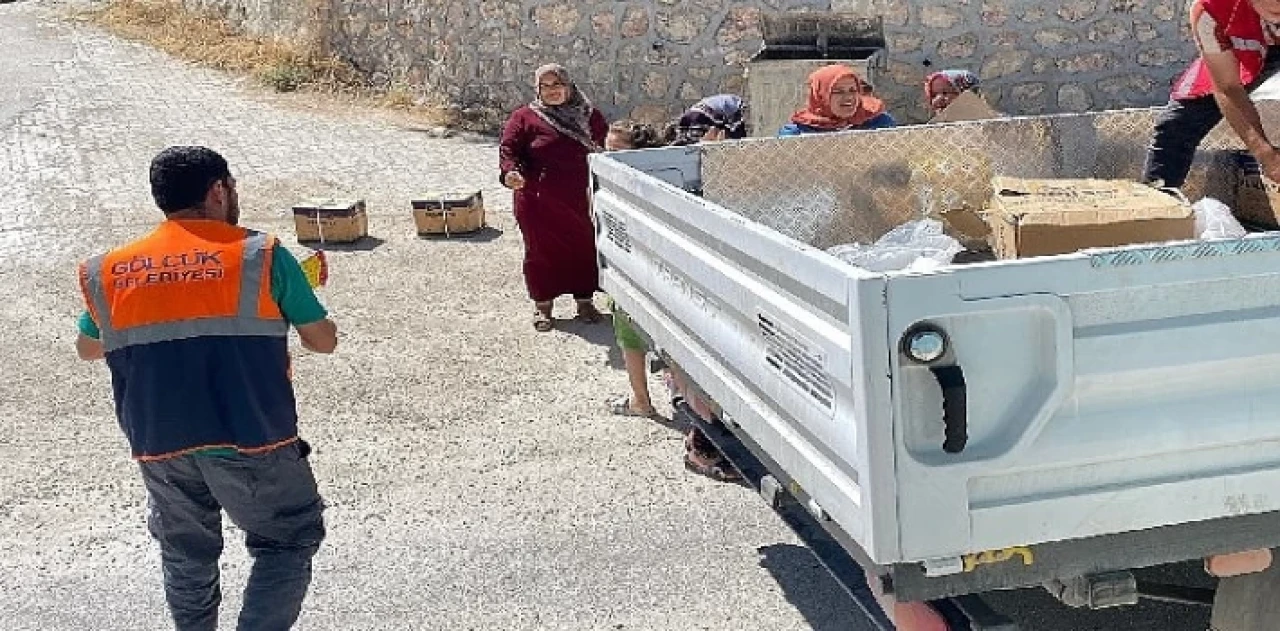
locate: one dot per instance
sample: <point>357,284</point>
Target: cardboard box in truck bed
<point>1257,197</point>
<point>1060,216</point>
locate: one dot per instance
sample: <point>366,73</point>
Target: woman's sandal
<point>588,313</point>
<point>542,321</point>
<point>718,469</point>
<point>621,406</point>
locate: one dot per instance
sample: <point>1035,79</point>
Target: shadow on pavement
<point>364,244</point>
<point>808,586</point>
<point>597,333</point>
<point>483,235</point>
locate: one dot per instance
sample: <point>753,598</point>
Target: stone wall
<point>299,20</point>
<point>649,59</point>
<point>641,59</point>
<point>1035,56</point>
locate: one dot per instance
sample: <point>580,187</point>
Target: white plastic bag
<point>1215,221</point>
<point>916,245</point>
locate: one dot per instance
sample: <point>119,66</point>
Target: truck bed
<point>1102,392</point>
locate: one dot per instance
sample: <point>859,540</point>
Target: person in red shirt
<point>1239,44</point>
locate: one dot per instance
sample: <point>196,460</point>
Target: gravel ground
<point>473,478</point>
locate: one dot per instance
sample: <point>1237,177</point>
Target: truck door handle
<point>955,415</point>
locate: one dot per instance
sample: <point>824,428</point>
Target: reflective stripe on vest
<point>246,322</point>
<point>92,273</point>
<point>1252,45</point>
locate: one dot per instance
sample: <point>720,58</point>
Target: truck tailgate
<point>1107,391</point>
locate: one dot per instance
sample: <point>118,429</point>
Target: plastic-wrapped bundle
<point>916,245</point>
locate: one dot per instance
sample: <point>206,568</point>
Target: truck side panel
<point>762,324</point>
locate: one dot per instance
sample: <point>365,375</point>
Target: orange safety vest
<point>195,342</point>
<point>186,278</point>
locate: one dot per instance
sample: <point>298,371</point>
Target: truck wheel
<point>1248,603</point>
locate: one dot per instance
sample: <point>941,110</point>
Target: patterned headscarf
<point>818,114</point>
<point>722,111</point>
<point>961,80</point>
<point>571,118</point>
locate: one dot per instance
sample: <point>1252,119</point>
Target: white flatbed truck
<point>982,426</point>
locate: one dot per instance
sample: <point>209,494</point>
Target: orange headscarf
<point>818,112</point>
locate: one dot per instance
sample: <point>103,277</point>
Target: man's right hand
<point>1270,163</point>
<point>88,348</point>
<point>513,180</point>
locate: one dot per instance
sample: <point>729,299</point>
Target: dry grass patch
<point>208,39</point>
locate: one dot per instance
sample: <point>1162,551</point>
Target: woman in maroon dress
<point>544,160</point>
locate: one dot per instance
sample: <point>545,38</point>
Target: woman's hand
<point>513,180</point>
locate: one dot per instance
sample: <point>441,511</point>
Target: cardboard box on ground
<point>448,212</point>
<point>1059,216</point>
<point>331,220</point>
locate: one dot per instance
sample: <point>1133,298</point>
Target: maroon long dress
<point>553,209</point>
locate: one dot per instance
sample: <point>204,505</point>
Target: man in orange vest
<point>193,320</point>
<point>1239,44</point>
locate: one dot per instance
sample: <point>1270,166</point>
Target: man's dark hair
<point>182,176</point>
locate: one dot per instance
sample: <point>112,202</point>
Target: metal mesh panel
<point>854,187</point>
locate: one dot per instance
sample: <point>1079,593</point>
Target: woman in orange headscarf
<point>837,103</point>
